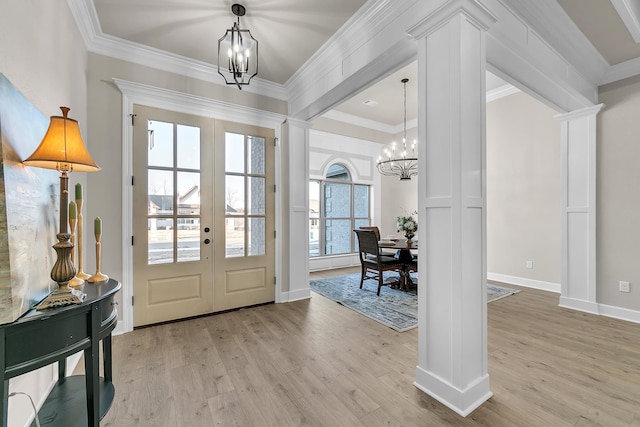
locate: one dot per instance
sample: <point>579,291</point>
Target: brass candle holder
<point>80,274</point>
<point>98,277</point>
<point>75,281</point>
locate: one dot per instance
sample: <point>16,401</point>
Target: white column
<point>295,224</point>
<point>578,189</point>
<point>452,351</point>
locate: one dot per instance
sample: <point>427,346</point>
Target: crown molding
<point>547,19</point>
<point>551,22</point>
<point>501,92</point>
<point>191,104</point>
<point>629,11</point>
<point>621,71</point>
<point>370,17</point>
<point>492,95</point>
<point>96,41</point>
<point>359,121</point>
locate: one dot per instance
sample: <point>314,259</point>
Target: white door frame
<point>136,93</point>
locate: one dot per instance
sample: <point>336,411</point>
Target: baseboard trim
<point>462,402</point>
<point>571,303</point>
<point>619,313</point>
<point>528,283</point>
<point>296,295</point>
<point>580,305</point>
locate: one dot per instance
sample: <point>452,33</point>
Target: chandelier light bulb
<point>400,163</point>
<point>239,45</point>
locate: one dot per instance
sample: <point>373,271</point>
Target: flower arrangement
<point>408,225</point>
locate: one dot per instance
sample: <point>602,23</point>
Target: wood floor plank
<point>317,363</point>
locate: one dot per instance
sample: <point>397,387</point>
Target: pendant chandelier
<point>400,160</point>
<point>237,53</point>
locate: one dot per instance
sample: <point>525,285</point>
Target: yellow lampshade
<point>62,147</point>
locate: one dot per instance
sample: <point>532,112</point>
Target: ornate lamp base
<point>63,271</point>
<point>61,297</point>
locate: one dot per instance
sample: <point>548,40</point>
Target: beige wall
<point>44,58</point>
<point>523,189</point>
<point>399,198</point>
<point>618,203</point>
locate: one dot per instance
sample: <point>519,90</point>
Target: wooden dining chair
<point>373,263</point>
<point>376,230</point>
<point>373,228</point>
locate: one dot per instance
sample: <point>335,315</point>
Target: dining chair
<point>373,263</point>
<point>376,230</point>
<point>373,228</point>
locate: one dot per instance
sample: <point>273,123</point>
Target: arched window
<point>336,207</point>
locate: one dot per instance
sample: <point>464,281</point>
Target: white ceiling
<point>291,31</point>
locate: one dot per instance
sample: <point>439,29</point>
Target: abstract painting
<point>28,207</point>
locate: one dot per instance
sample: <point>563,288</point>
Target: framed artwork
<point>28,207</point>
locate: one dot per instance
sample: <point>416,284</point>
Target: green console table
<point>40,338</point>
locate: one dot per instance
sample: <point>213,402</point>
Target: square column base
<point>462,402</point>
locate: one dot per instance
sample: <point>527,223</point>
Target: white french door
<point>203,215</point>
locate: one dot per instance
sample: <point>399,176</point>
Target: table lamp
<point>62,149</point>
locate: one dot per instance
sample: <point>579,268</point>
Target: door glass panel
<point>188,147</point>
<point>160,191</point>
<point>256,160</point>
<point>234,153</point>
<point>188,239</point>
<point>337,239</point>
<point>234,237</point>
<point>160,241</point>
<point>256,235</point>
<point>234,193</point>
<point>188,193</point>
<point>245,193</point>
<point>160,149</point>
<point>256,195</point>
<point>173,192</point>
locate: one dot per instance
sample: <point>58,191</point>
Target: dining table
<point>404,255</point>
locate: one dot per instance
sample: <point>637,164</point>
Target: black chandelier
<point>400,160</point>
<point>237,53</point>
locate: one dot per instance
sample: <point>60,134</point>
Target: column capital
<point>474,10</point>
<point>291,121</point>
<point>577,114</point>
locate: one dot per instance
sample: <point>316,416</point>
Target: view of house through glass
<point>336,207</point>
<point>245,195</point>
<point>173,168</point>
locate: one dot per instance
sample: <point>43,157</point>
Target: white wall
<point>44,58</point>
<point>523,191</point>
<point>359,156</point>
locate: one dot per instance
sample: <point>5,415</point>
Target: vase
<point>409,236</point>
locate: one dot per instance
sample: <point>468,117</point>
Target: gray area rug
<point>393,308</point>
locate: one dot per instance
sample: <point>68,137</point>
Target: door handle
<point>207,241</point>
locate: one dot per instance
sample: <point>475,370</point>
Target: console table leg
<point>106,354</point>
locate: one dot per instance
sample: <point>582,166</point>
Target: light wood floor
<point>317,363</point>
